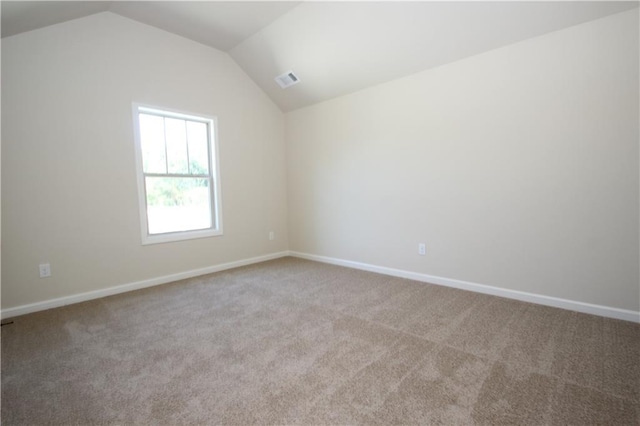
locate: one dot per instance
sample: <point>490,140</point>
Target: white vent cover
<point>287,79</point>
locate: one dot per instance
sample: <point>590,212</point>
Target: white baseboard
<point>123,288</point>
<point>572,305</point>
<point>603,311</point>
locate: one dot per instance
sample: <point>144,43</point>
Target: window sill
<point>180,236</point>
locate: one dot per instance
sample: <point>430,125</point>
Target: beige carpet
<point>298,342</point>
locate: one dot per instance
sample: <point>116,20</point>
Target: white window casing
<point>178,174</point>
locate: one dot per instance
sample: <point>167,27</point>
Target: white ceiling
<point>334,47</point>
<point>219,24</point>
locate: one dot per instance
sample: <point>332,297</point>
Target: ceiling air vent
<point>287,79</point>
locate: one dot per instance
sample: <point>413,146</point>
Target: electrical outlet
<point>422,249</point>
<point>45,270</point>
<point>272,235</point>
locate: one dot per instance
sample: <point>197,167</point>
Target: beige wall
<point>518,168</point>
<point>69,192</point>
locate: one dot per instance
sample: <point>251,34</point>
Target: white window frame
<point>214,171</point>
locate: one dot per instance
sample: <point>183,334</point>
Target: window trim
<point>214,168</point>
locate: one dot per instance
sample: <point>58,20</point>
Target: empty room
<point>320,213</point>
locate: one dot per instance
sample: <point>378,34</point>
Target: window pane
<point>198,148</point>
<point>178,204</point>
<point>176,145</point>
<point>152,143</point>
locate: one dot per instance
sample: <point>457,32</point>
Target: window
<point>178,178</point>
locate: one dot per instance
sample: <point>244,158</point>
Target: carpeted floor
<point>297,342</point>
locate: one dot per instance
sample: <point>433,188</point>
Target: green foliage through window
<point>179,186</point>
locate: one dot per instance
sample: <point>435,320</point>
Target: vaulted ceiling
<point>333,47</point>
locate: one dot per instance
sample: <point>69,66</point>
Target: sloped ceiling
<point>334,47</point>
<point>219,24</point>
